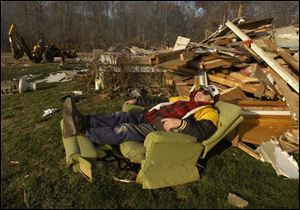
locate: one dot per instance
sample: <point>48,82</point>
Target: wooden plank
<point>249,133</point>
<point>255,23</point>
<point>215,63</point>
<point>248,150</point>
<point>164,57</point>
<point>221,32</point>
<point>212,61</point>
<point>262,105</point>
<point>263,78</point>
<point>187,55</point>
<point>296,76</point>
<point>270,61</point>
<point>233,95</point>
<point>220,48</point>
<point>265,112</point>
<point>242,78</point>
<point>256,89</point>
<point>266,126</point>
<point>285,55</point>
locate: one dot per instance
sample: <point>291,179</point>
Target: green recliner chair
<point>166,158</point>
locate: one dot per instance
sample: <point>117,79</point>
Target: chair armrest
<point>219,135</point>
<point>132,108</point>
<point>170,160</point>
<point>169,138</point>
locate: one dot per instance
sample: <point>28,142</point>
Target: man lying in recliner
<point>195,115</point>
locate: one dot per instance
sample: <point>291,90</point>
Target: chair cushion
<point>134,151</point>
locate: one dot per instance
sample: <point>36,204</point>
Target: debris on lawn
<point>14,162</point>
<point>283,163</point>
<point>75,92</point>
<point>58,77</point>
<point>48,112</point>
<point>9,87</point>
<point>237,201</point>
<point>25,86</point>
<point>252,63</point>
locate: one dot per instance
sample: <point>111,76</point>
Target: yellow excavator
<point>40,52</point>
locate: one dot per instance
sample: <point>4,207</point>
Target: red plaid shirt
<point>176,110</point>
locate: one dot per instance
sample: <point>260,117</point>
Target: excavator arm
<point>18,45</point>
<point>47,53</point>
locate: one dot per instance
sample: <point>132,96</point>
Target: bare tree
<point>85,25</point>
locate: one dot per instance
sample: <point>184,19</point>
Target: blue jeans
<point>114,128</point>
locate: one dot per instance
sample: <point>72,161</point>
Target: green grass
<point>12,72</point>
<point>37,145</point>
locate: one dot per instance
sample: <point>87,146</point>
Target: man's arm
<point>202,129</point>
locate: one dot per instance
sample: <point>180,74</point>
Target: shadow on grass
<point>45,86</point>
<point>216,150</point>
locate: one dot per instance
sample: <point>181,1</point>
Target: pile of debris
<point>252,63</point>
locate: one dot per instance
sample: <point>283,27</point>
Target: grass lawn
<point>34,173</point>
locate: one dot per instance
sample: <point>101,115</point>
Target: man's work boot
<point>74,122</point>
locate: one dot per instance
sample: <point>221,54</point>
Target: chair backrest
<point>230,117</point>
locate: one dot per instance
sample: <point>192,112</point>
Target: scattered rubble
<point>252,63</point>
<point>283,163</point>
<point>8,87</point>
<point>25,86</point>
<point>48,112</point>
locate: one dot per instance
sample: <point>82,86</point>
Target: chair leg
<point>112,157</point>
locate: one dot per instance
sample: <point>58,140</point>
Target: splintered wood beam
<point>269,60</point>
<point>257,89</point>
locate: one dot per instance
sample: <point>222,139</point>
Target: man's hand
<point>132,101</point>
<point>170,123</point>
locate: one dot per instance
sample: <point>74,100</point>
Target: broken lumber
<point>270,61</point>
<point>285,55</point>
<point>166,56</point>
<point>256,89</point>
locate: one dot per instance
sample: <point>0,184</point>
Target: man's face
<point>203,97</point>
